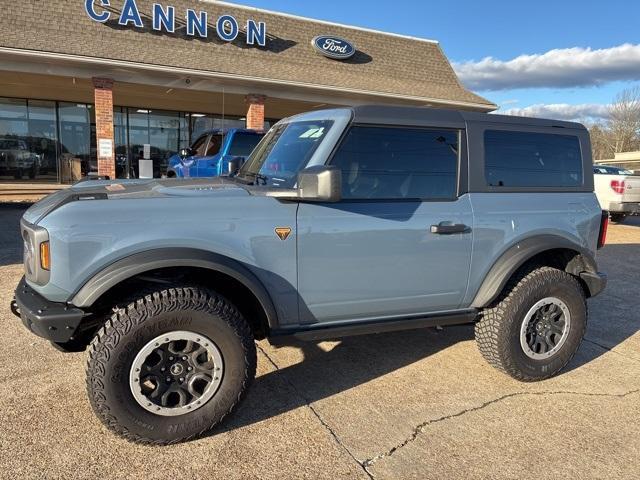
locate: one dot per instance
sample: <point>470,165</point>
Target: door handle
<point>447,228</point>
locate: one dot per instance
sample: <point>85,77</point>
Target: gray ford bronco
<point>344,221</point>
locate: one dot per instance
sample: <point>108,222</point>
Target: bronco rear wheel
<point>170,365</point>
<point>534,329</point>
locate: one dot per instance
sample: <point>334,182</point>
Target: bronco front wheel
<point>170,366</point>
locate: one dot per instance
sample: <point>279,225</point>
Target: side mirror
<point>234,164</point>
<point>322,183</point>
<point>184,153</point>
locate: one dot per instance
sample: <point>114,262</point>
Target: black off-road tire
<point>617,217</point>
<point>113,349</point>
<point>498,331</point>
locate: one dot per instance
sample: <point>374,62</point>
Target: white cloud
<point>558,68</point>
<point>562,111</point>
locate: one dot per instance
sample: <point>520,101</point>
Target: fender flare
<point>158,258</point>
<point>516,256</point>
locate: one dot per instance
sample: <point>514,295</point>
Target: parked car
<point>344,221</point>
<point>16,159</point>
<point>210,154</point>
<point>618,191</point>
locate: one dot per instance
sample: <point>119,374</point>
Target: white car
<point>618,191</point>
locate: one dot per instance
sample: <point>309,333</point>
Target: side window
<point>398,163</point>
<point>214,145</point>
<point>199,145</point>
<point>527,159</point>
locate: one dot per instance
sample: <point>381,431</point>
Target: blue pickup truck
<point>210,154</point>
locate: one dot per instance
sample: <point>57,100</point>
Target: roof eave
<point>82,59</point>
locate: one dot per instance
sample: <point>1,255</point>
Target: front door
<point>208,163</point>
<point>375,254</point>
<point>190,164</point>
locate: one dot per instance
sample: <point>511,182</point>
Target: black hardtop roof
<point>427,116</point>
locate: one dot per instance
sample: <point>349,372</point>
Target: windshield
<point>283,152</point>
<point>8,144</point>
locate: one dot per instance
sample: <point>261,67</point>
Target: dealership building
<point>97,85</point>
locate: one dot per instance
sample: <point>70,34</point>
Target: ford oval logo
<point>333,47</point>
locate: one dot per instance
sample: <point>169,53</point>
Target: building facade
<point>95,85</point>
<point>628,160</point>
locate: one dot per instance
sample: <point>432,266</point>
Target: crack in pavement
<point>366,464</point>
<point>316,414</point>
<point>420,428</point>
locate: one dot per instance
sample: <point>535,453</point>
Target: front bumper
<point>56,322</point>
<point>596,282</point>
<point>624,207</point>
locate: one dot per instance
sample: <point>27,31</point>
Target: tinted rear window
<point>526,159</point>
<point>243,144</point>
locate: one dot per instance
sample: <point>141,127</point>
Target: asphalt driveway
<point>418,404</point>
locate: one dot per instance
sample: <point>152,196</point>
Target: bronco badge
<point>283,232</point>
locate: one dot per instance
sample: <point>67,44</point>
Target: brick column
<point>255,111</point>
<point>103,90</point>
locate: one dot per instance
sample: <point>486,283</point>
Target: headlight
<point>37,253</point>
<point>27,254</point>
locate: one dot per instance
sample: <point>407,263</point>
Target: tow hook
<point>15,309</point>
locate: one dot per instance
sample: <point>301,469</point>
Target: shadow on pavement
<point>631,221</point>
<point>10,241</point>
<point>352,362</point>
<point>358,360</point>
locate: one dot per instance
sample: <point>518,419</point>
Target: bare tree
<point>624,121</point>
<point>601,143</point>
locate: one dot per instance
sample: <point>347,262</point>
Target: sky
<point>563,59</point>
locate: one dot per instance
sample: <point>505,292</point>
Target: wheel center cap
<point>176,369</point>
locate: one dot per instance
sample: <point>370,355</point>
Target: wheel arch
<point>213,266</point>
<point>544,250</point>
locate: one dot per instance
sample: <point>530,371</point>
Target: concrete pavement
<point>416,404</point>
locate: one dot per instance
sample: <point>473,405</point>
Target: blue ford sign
<point>333,47</point>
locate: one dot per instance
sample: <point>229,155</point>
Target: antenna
<point>222,113</point>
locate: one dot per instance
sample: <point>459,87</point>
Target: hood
<point>92,190</point>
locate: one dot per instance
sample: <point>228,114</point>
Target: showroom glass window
<point>121,143</point>
<point>200,122</point>
<point>49,141</point>
<point>28,140</point>
<point>527,159</point>
<point>78,156</point>
<point>398,163</point>
<point>157,128</point>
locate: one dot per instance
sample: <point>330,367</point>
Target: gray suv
<point>344,221</point>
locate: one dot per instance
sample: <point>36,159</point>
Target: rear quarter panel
<point>502,220</point>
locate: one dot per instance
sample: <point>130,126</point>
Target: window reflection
<point>78,156</point>
<point>49,141</point>
<point>28,140</point>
